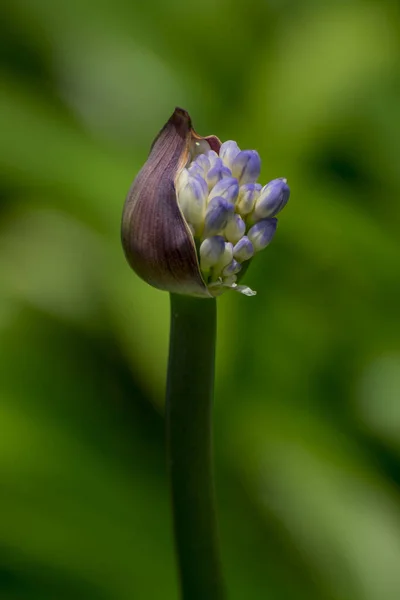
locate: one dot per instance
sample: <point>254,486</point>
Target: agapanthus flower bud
<point>246,166</point>
<point>219,212</point>
<point>194,213</point>
<point>193,201</point>
<point>195,170</point>
<point>243,250</point>
<point>228,152</point>
<point>248,195</point>
<point>261,233</point>
<point>225,259</point>
<point>203,163</point>
<point>235,229</point>
<point>273,197</point>
<point>214,158</point>
<point>232,269</point>
<point>211,252</point>
<point>226,188</point>
<point>216,173</point>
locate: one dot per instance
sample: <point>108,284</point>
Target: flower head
<point>195,212</point>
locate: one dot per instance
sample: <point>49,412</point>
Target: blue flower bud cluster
<point>230,215</point>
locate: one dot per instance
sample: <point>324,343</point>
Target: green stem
<point>189,445</point>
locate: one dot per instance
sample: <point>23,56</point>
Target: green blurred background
<point>307,414</point>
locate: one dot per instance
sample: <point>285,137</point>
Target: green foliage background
<point>307,415</point>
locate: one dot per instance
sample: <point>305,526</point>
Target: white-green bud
<point>235,229</point>
<point>211,251</point>
<point>192,199</point>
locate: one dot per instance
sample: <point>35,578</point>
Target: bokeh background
<point>307,413</point>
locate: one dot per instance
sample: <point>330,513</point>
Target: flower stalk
<point>190,385</point>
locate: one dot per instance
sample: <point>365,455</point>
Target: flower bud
<point>227,188</point>
<point>211,252</point>
<point>194,170</point>
<point>261,233</point>
<point>228,152</point>
<point>182,179</point>
<point>235,229</point>
<point>214,158</point>
<point>248,195</point>
<point>273,197</point>
<point>215,174</point>
<point>243,250</point>
<point>247,166</point>
<point>192,199</point>
<point>219,212</point>
<point>226,258</point>
<point>232,269</point>
<point>203,163</point>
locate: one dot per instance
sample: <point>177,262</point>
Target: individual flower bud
<point>219,212</point>
<point>248,194</point>
<point>194,170</point>
<point>228,152</point>
<point>243,250</point>
<point>182,179</point>
<point>273,197</point>
<point>232,269</point>
<point>215,174</point>
<point>247,166</point>
<point>192,199</point>
<point>203,163</point>
<point>261,233</point>
<point>211,252</point>
<point>235,229</point>
<point>227,188</point>
<point>214,158</point>
<point>225,259</point>
<point>157,241</point>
